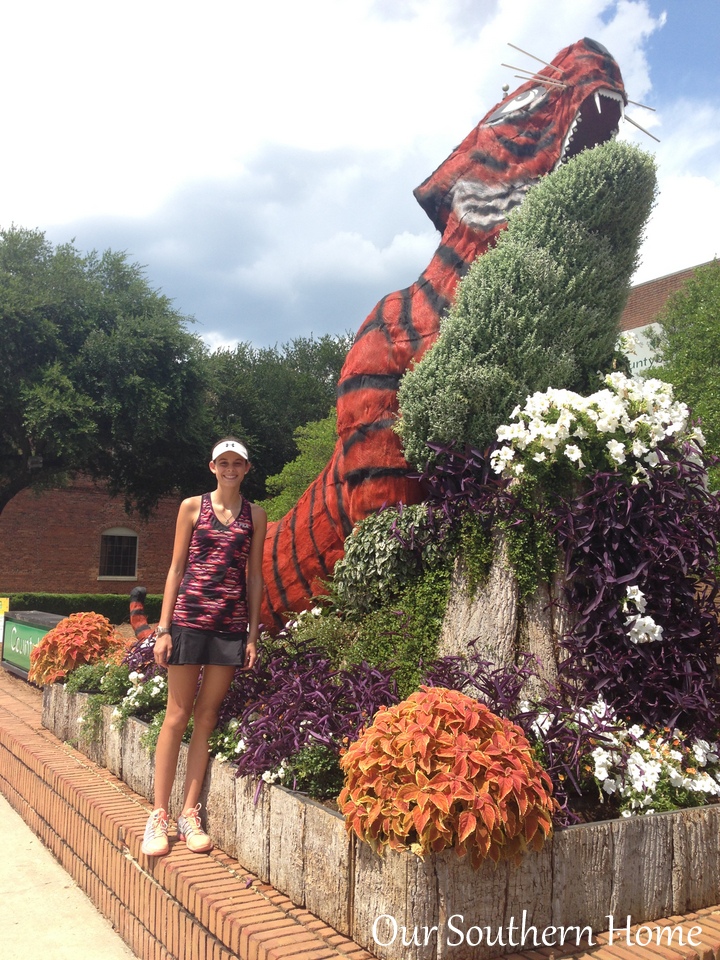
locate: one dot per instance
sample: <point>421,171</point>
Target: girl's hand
<point>162,650</point>
<point>250,654</point>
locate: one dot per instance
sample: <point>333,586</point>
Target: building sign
<point>640,352</point>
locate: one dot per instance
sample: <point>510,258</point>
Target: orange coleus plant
<point>78,639</point>
<point>441,770</point>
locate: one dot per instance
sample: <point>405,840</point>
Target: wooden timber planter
<point>646,867</point>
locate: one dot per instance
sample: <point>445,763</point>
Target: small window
<point>118,554</point>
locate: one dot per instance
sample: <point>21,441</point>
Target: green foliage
<point>107,684</point>
<point>538,310</point>
<point>264,395</point>
<point>116,607</point>
<point>92,678</point>
<point>532,549</point>
<point>316,442</point>
<point>377,565</point>
<point>97,373</point>
<point>388,595</point>
<point>315,770</point>
<point>690,347</point>
<point>470,543</point>
<point>403,634</point>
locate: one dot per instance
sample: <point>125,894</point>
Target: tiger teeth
<point>597,102</point>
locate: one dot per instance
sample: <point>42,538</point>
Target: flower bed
<point>648,867</point>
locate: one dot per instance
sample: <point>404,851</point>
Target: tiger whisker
<point>533,57</point>
<point>636,124</point>
<point>551,83</point>
<point>534,76</point>
<point>643,105</point>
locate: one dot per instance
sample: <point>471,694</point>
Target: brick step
<point>183,906</point>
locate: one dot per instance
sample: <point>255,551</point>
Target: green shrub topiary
<point>541,309</point>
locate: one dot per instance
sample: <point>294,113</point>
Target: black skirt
<point>206,647</point>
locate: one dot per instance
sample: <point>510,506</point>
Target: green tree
<point>97,374</point>
<point>689,346</point>
<point>316,442</point>
<point>264,394</point>
<point>539,310</point>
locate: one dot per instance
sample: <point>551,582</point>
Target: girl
<point>209,622</point>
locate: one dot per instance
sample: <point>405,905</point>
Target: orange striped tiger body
<point>138,617</point>
<point>468,199</point>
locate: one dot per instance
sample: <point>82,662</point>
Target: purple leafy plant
<point>140,658</point>
<point>660,537</point>
<point>296,698</point>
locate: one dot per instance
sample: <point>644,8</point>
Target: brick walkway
<point>210,907</point>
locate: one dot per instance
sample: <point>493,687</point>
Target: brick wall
<point>50,542</point>
<point>646,300</point>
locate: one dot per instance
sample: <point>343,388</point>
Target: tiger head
<point>576,102</point>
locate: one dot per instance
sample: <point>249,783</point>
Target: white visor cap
<point>230,446</point>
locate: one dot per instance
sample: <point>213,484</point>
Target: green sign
<point>19,641</point>
<point>23,631</point>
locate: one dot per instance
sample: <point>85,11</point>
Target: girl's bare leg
<point>215,684</point>
<point>182,687</point>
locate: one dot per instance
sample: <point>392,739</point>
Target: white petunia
<point>616,450</point>
<point>574,453</point>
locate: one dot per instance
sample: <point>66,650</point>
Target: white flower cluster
<point>312,612</point>
<point>225,744</point>
<point>272,776</point>
<point>642,629</point>
<point>140,695</point>
<point>630,418</point>
<point>635,764</point>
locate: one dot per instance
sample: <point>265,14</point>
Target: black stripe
<point>333,520</point>
<point>365,429</point>
<point>439,304</point>
<point>305,585</point>
<point>311,525</point>
<point>344,518</point>
<point>531,145</point>
<point>355,477</point>
<point>375,321</point>
<point>369,381</point>
<point>488,160</point>
<point>276,570</point>
<point>405,319</point>
<point>277,619</point>
<point>452,259</point>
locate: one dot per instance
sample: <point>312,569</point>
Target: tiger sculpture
<point>571,104</point>
<point>574,103</point>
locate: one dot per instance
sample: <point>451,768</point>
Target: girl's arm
<point>255,583</point>
<point>186,520</point>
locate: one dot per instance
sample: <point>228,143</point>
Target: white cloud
<point>683,230</point>
<point>260,159</point>
<point>343,257</point>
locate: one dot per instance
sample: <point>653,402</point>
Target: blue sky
<point>259,160</point>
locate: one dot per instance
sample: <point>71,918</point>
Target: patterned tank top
<point>213,592</point>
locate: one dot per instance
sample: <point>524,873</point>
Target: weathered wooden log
<point>489,617</point>
<point>252,838</point>
<point>327,864</point>
<point>138,768</point>
<point>218,800</point>
<point>395,904</point>
<point>495,623</point>
<point>287,841</point>
<point>113,742</point>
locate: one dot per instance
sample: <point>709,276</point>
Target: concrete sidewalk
<point>45,915</point>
